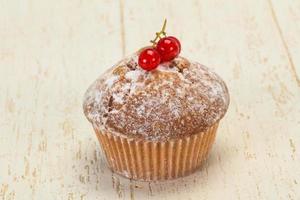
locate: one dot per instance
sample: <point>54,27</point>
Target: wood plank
<point>50,53</point>
<point>287,19</point>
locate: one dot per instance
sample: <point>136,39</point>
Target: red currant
<point>168,48</point>
<point>177,41</point>
<point>149,59</point>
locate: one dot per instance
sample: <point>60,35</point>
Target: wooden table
<point>51,51</point>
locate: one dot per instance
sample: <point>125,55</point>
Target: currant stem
<point>164,28</point>
<point>158,34</point>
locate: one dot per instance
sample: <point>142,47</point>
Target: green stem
<point>158,34</point>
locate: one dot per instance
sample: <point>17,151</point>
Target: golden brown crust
<point>177,99</point>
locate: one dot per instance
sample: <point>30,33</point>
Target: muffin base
<point>155,160</point>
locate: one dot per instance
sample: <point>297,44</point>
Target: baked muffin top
<point>179,98</point>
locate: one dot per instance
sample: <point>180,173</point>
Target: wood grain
<point>50,53</point>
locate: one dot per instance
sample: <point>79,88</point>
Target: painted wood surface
<point>51,51</point>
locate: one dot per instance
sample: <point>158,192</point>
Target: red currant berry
<point>177,41</point>
<point>168,48</point>
<point>149,59</point>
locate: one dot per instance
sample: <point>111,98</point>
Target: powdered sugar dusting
<point>134,75</point>
<point>178,98</point>
<point>110,81</point>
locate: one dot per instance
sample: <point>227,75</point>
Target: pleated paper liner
<point>147,160</point>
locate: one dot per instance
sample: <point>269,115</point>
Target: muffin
<point>158,124</point>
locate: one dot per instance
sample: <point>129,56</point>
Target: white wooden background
<point>50,51</point>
